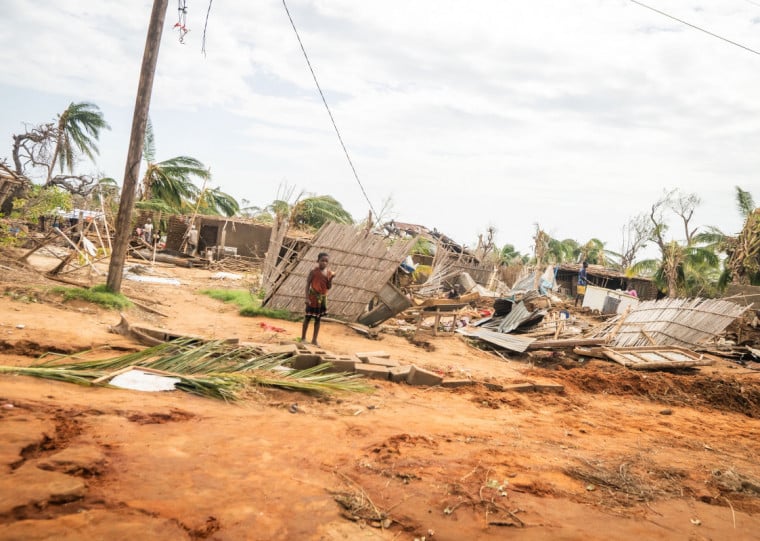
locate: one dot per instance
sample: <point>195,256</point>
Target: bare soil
<point>617,455</point>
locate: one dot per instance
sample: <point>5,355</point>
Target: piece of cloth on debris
<point>153,279</point>
<point>226,276</point>
<point>137,380</point>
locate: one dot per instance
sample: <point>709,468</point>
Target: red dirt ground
<point>617,455</point>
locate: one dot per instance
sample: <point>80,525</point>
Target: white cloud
<point>571,114</point>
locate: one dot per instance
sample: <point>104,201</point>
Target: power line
<point>356,176</point>
<point>205,27</point>
<point>695,27</point>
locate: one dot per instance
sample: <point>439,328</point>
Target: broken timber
<point>568,343</point>
<point>152,337</point>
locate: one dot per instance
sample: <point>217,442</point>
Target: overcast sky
<point>574,115</point>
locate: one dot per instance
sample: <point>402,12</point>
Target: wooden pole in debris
<point>136,139</point>
<point>105,219</point>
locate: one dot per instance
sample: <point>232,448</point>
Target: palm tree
<point>562,251</point>
<point>744,202</point>
<point>313,212</point>
<point>742,265</point>
<point>215,201</point>
<point>77,132</point>
<point>682,269</point>
<point>509,254</point>
<point>593,252</point>
<point>169,181</point>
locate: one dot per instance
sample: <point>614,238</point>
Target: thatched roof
<point>601,271</point>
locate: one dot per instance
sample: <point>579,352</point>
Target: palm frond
<point>218,202</point>
<point>156,205</point>
<point>315,211</point>
<point>744,202</point>
<point>213,369</point>
<point>79,128</point>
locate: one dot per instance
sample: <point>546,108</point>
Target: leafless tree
<point>684,205</point>
<point>33,157</point>
<point>636,234</point>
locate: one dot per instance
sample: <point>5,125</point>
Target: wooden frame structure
<point>656,358</point>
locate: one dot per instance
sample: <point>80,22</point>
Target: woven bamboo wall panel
<point>676,322</point>
<point>363,263</point>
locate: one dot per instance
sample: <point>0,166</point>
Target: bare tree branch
<point>32,148</point>
<point>684,205</point>
<point>75,184</point>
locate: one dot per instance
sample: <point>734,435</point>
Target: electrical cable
<point>356,176</point>
<point>696,27</point>
<point>205,26</point>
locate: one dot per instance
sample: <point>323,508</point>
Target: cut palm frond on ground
<point>212,369</point>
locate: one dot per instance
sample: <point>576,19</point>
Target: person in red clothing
<point>317,283</point>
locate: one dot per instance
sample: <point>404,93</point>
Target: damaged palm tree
<point>214,369</point>
<point>744,252</point>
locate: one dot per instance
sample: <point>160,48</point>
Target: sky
<point>461,115</point>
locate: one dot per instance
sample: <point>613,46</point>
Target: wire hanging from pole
<point>321,94</point>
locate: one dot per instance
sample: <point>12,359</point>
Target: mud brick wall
<point>176,228</point>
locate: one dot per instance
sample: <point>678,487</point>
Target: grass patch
<point>239,297</point>
<point>249,305</point>
<point>96,295</point>
<point>254,311</point>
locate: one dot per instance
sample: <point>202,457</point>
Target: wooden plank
<point>566,343</point>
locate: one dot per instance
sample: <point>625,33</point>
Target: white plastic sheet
<point>137,380</point>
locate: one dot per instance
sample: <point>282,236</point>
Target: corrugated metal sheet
<point>506,341</point>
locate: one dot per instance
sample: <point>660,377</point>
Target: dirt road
<point>617,455</point>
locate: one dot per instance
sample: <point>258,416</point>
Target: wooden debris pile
<point>653,335</point>
<point>78,246</point>
<point>672,322</point>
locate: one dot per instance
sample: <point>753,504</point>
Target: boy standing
<point>317,283</point>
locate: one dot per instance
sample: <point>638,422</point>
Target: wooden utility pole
<point>136,140</point>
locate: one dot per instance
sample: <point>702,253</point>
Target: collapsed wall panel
<point>676,322</point>
<point>363,263</point>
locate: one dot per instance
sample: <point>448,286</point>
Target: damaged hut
<point>364,263</point>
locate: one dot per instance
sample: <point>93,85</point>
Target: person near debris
<point>582,282</point>
<point>192,240</point>
<point>148,231</point>
<point>631,291</point>
<point>317,283</point>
